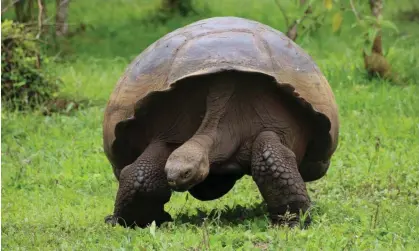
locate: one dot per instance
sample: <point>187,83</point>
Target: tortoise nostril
<point>186,174</point>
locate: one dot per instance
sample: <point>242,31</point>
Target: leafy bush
<point>25,82</point>
<point>169,9</point>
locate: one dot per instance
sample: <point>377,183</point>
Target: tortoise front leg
<point>275,171</point>
<point>143,190</point>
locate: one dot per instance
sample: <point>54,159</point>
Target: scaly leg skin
<point>143,190</point>
<point>275,171</point>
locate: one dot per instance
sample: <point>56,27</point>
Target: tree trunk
<point>23,15</point>
<point>376,9</point>
<point>376,63</point>
<point>61,24</point>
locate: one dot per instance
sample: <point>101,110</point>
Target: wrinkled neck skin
<point>237,111</point>
<point>212,135</point>
<point>189,164</point>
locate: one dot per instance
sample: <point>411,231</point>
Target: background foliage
<point>57,185</point>
<point>23,81</point>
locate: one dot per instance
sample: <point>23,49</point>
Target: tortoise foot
<point>114,220</point>
<point>291,222</point>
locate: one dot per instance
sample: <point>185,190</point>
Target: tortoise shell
<point>220,44</point>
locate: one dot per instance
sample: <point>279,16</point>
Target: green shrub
<point>25,82</point>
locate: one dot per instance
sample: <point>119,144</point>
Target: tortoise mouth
<point>186,167</point>
<point>186,183</point>
<point>180,188</point>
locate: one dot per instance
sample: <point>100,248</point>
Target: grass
<point>57,185</point>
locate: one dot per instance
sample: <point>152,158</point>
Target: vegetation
<point>24,82</point>
<point>28,79</point>
<point>57,185</point>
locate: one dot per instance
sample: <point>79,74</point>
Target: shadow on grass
<point>238,215</point>
<point>226,216</point>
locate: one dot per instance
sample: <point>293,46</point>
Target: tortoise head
<point>187,166</point>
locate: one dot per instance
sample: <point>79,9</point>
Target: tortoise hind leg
<point>316,163</point>
<point>313,170</point>
<point>143,190</point>
<point>275,171</point>
<point>219,182</point>
<point>214,187</point>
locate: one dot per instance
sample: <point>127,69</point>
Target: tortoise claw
<point>291,223</point>
<point>111,220</point>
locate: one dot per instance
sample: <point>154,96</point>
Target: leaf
<point>389,24</point>
<point>328,4</point>
<point>337,21</point>
<point>19,84</point>
<point>69,107</point>
<point>372,33</point>
<point>153,229</point>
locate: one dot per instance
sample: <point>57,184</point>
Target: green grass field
<point>57,185</point>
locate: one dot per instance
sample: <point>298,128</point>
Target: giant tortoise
<point>209,103</point>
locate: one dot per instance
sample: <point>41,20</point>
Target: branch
<point>41,17</point>
<point>287,22</point>
<point>354,10</point>
<point>292,30</point>
<point>8,6</point>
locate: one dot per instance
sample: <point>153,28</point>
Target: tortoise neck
<point>210,133</point>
